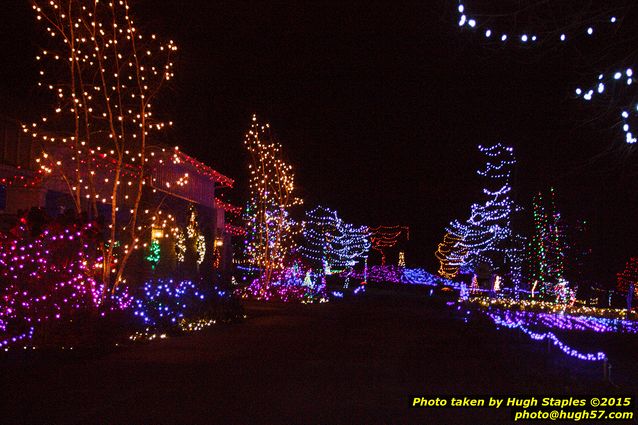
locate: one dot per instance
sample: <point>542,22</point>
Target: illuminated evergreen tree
<point>320,229</point>
<point>270,229</point>
<point>538,248</point>
<point>154,253</point>
<point>351,245</point>
<point>451,255</point>
<point>330,243</point>
<point>487,235</point>
<point>546,257</point>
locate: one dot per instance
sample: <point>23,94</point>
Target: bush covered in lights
<point>51,293</point>
<point>164,303</point>
<point>395,274</point>
<point>46,277</point>
<point>290,284</point>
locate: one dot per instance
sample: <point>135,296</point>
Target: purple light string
<point>538,336</point>
<point>402,275</point>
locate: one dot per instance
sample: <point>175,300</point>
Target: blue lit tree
<point>487,236</point>
<point>330,244</point>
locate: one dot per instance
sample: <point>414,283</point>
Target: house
<point>182,185</point>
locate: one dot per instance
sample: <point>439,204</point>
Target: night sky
<point>380,108</point>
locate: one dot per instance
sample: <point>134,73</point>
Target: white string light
<point>487,237</point>
<point>466,20</point>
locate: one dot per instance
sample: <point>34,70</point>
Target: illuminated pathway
<point>355,361</point>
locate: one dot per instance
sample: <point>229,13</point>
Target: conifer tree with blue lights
<point>487,235</point>
<point>330,244</point>
<point>320,229</point>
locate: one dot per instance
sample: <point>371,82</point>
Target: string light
<point>587,26</point>
<point>525,315</point>
<point>287,285</point>
<point>568,322</point>
<point>619,84</point>
<point>229,208</point>
<point>487,236</point>
<point>629,277</point>
<point>233,213</point>
<point>547,245</point>
<point>552,307</point>
<point>451,254</point>
<point>270,229</point>
<point>191,228</point>
<point>540,336</point>
<point>166,302</point>
<point>542,34</point>
<point>385,237</point>
<point>395,274</point>
<point>200,247</point>
<point>48,278</point>
<point>104,74</point>
<point>330,243</point>
<point>180,246</point>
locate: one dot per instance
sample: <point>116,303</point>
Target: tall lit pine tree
<point>546,249</point>
<point>487,235</point>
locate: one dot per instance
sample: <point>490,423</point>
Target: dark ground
<point>353,361</point>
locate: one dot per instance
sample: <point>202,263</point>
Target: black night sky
<point>380,107</point>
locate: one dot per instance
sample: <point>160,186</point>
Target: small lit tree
<point>451,255</point>
<point>329,243</point>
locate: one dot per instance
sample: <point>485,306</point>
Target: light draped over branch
<point>487,236</point>
<point>330,243</point>
<point>104,75</point>
<point>270,228</point>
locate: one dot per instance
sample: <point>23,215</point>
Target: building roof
<point>216,176</point>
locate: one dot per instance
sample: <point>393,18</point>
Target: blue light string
<point>600,356</point>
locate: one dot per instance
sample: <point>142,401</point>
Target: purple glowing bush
<point>46,278</point>
<point>288,285</point>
